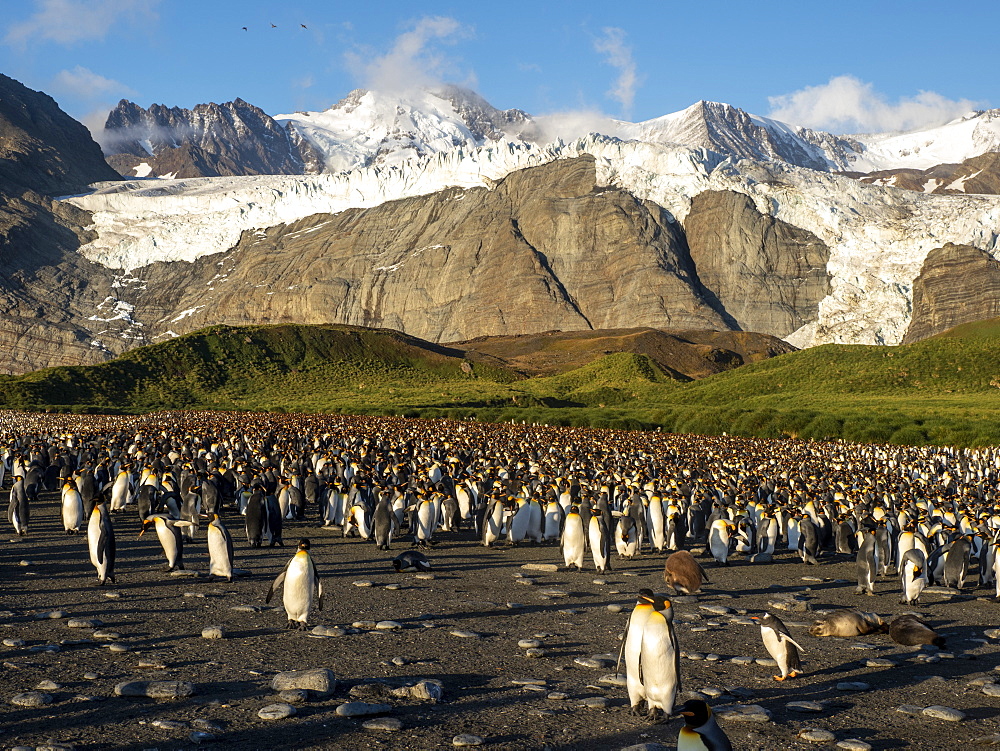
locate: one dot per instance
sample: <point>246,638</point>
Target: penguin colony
<point>908,517</point>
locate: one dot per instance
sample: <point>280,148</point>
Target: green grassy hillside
<point>945,390</point>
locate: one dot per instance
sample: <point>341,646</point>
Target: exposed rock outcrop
<point>766,274</point>
<point>957,284</point>
<point>980,174</point>
<point>546,249</point>
<point>234,138</point>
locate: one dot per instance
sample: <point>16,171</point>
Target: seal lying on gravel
<point>847,623</point>
<point>910,631</point>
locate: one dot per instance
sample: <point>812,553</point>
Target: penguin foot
<point>794,674</point>
<point>291,624</point>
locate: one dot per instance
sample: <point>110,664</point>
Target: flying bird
<point>303,26</point>
<point>244,28</point>
<point>273,26</point>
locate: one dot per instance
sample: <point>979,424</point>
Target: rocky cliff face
<point>980,174</point>
<point>957,284</point>
<point>42,148</point>
<point>234,138</point>
<point>544,250</point>
<point>765,274</point>
<point>45,286</point>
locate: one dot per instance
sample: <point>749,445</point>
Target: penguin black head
<point>304,544</point>
<point>695,712</point>
<point>646,595</point>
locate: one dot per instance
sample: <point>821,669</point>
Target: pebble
<point>276,712</point>
<point>698,629</point>
<point>557,695</point>
<point>427,689</point>
<point>595,662</point>
<point>48,686</point>
<point>213,632</point>
<point>84,623</point>
<point>880,662</point>
<point>110,635</point>
<point>388,625</point>
<point>464,634</point>
<point>944,713</point>
<point>52,614</point>
<point>169,725</point>
<point>743,712</point>
<point>992,633</point>
<point>113,595</point>
<point>393,587</point>
<point>711,692</point>
<point>600,582</point>
<point>13,642</point>
<point>528,681</point>
<point>529,643</point>
<point>204,724</point>
<point>328,631</point>
<point>548,567</point>
<point>615,608</point>
<point>854,744</point>
<point>364,583</point>
<point>31,699</point>
<point>150,665</point>
<point>388,724</point>
<point>712,657</point>
<point>155,689</point>
<point>991,689</point>
<point>804,706</point>
<point>613,679</point>
<point>817,735</point>
<point>525,581</point>
<point>570,611</point>
<point>910,709</point>
<point>767,662</point>
<point>246,608</point>
<point>198,595</point>
<point>741,621</point>
<point>320,680</point>
<point>44,648</point>
<point>552,592</point>
<point>514,605</point>
<point>697,656</point>
<point>294,696</point>
<point>853,686</point>
<point>540,689</point>
<point>716,609</point>
<point>790,605</point>
<point>425,576</point>
<point>535,652</point>
<point>362,709</point>
<point>91,676</point>
<point>465,739</point>
<point>115,647</point>
<point>862,645</point>
<point>596,702</point>
<point>742,660</point>
<point>200,736</point>
<point>365,625</point>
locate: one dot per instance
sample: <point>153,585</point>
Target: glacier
<point>878,236</point>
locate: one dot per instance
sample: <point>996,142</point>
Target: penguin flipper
<point>786,637</point>
<point>275,584</point>
<point>319,585</point>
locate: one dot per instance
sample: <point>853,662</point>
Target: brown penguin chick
<point>847,623</point>
<point>910,631</point>
<point>684,573</point>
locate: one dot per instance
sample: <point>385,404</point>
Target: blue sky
<point>844,66</point>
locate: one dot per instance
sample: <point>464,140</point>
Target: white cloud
<point>571,125</point>
<point>618,55</point>
<point>69,21</point>
<point>83,83</point>
<point>848,105</point>
<point>305,82</point>
<point>413,62</point>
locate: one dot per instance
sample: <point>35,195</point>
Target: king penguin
<point>700,731</point>
<point>220,549</point>
<point>573,541</point>
<point>780,645</point>
<point>300,578</point>
<point>632,648</point>
<point>659,662</point>
<point>101,542</point>
<point>867,564</point>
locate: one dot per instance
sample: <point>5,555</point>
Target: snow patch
<point>959,184</point>
<point>186,313</point>
<point>143,170</point>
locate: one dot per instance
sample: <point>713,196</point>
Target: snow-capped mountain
<point>366,128</point>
